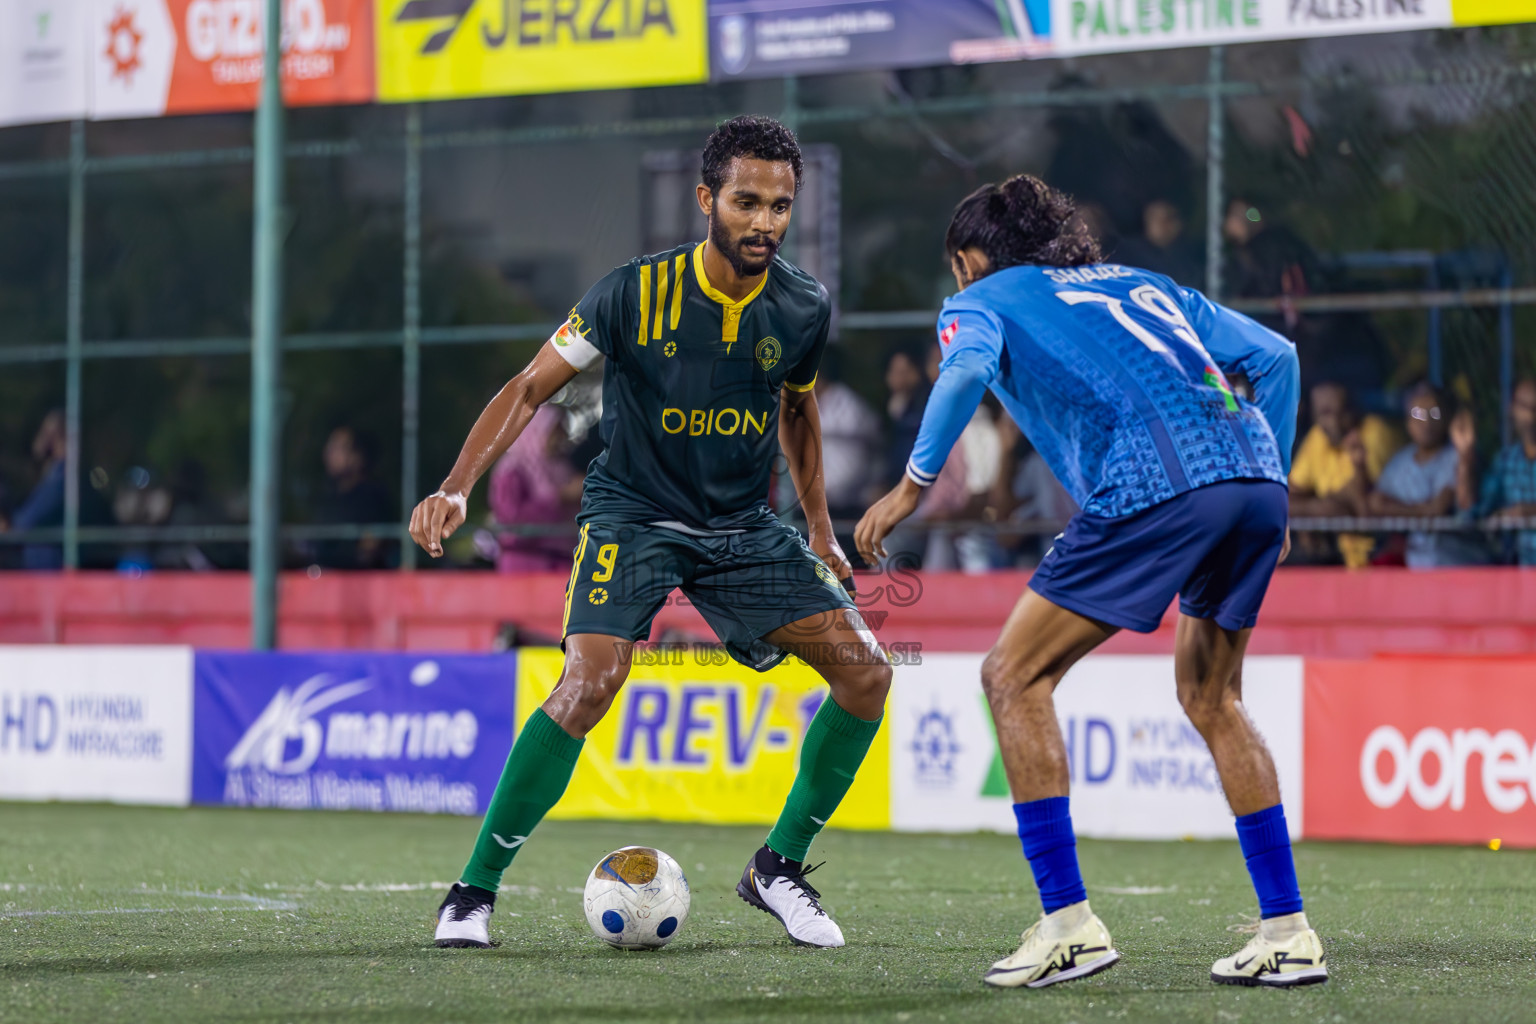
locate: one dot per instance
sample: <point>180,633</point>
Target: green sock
<point>834,747</point>
<point>537,772</point>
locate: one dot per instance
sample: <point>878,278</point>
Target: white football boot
<point>462,919</point>
<point>1285,952</point>
<point>791,899</point>
<point>1071,943</point>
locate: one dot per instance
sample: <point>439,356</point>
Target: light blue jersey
<point>1118,377</point>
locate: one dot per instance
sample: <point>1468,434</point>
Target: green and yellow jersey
<point>691,389</point>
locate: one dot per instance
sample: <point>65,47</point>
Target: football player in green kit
<point>712,351</point>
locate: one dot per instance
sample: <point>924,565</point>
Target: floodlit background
<point>456,173</point>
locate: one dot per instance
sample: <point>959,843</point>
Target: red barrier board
<point>153,57</point>
<point>1319,613</point>
<point>1421,750</point>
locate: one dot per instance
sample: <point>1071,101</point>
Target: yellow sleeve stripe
<point>661,299</point>
<point>645,301</point>
<point>800,387</point>
<point>570,588</point>
<point>677,289</point>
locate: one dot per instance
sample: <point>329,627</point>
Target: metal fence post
<point>1215,171</point>
<point>73,334</point>
<point>1506,356</point>
<point>266,336</point>
<point>410,402</point>
<point>789,117</point>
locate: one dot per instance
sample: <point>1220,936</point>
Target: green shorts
<point>746,585</point>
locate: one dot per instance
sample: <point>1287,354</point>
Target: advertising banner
<point>1138,768</point>
<point>764,38</point>
<point>351,730</point>
<point>1493,12</point>
<point>42,61</point>
<point>153,57</point>
<point>96,723</point>
<point>449,49</point>
<point>694,736</point>
<point>1422,750</point>
<point>1108,26</point>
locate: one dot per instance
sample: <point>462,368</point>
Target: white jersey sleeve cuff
<point>575,349</point>
<point>918,477</point>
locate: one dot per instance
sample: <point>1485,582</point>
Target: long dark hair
<point>1022,221</point>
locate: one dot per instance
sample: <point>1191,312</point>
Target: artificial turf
<point>134,914</point>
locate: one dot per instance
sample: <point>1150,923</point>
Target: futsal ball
<point>636,898</point>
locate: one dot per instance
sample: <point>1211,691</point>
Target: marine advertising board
<point>351,730</point>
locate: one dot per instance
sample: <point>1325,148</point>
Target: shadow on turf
<point>207,960</point>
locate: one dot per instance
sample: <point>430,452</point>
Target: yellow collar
<point>731,305</point>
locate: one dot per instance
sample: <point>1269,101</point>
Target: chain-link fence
<point>1373,197</point>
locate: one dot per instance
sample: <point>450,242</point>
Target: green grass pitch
<point>128,914</point>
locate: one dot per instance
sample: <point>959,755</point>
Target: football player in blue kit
<point>1119,378</point>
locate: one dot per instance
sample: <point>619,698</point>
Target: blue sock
<point>1045,830</point>
<point>1267,847</point>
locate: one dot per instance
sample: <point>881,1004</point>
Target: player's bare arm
<point>438,515</point>
<point>800,437</point>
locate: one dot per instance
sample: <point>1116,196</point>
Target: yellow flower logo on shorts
<point>768,352</point>
<point>597,595</point>
<point>670,349</point>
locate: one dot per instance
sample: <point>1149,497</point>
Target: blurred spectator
<point>1101,225</point>
<point>1026,492</point>
<point>353,495</point>
<point>190,507</point>
<point>961,492</point>
<point>850,443</point>
<point>1337,461</point>
<point>139,501</point>
<point>1431,478</point>
<point>535,484</point>
<point>1163,246</point>
<point>44,506</point>
<point>908,386</point>
<point>1265,260</point>
<point>1509,489</point>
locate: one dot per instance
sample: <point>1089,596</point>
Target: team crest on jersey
<point>768,352</point>
<point>947,335</point>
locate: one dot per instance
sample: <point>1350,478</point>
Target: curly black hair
<point>1022,221</point>
<point>753,136</point>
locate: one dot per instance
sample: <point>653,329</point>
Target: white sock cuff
<point>1286,926</point>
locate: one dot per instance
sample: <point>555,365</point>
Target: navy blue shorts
<point>1215,547</point>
